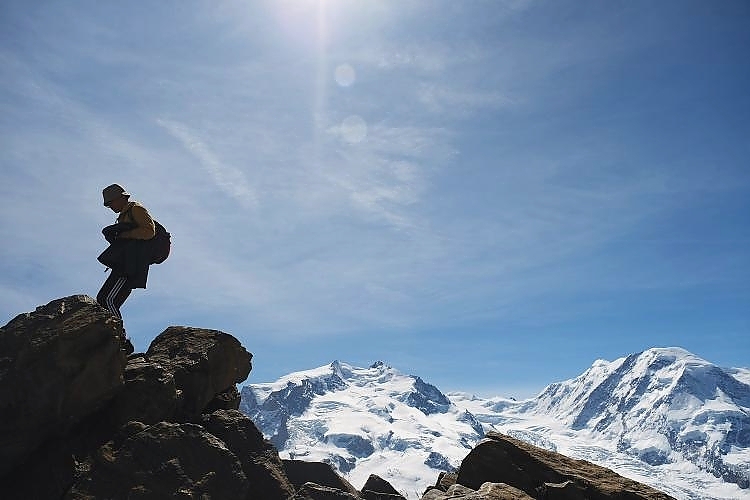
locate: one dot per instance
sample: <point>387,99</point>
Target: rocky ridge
<point>82,419</point>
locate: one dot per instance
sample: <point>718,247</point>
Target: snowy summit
<point>664,417</point>
<point>364,421</point>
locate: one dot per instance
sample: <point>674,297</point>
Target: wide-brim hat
<point>112,192</point>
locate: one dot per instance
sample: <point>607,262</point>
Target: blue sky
<point>489,194</point>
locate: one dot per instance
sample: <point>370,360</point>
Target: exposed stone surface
<point>300,472</point>
<point>204,363</point>
<point>445,480</point>
<point>260,460</point>
<point>502,459</point>
<point>149,395</point>
<point>58,364</point>
<point>227,400</point>
<point>377,488</point>
<point>165,460</point>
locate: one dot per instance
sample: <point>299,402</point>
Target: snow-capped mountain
<point>662,406</point>
<point>663,417</point>
<point>364,421</point>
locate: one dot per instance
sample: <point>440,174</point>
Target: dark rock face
<point>165,460</point>
<point>149,395</point>
<point>427,398</point>
<point>59,364</point>
<point>259,459</point>
<point>377,488</point>
<point>300,472</point>
<point>80,419</point>
<point>204,363</point>
<point>544,474</point>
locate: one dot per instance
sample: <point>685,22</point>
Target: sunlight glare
<point>345,75</point>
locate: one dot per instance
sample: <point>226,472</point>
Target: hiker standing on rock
<point>128,255</point>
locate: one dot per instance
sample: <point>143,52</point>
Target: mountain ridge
<point>660,407</point>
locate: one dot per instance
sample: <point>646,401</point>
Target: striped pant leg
<point>113,293</point>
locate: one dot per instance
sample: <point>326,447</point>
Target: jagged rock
<point>204,363</point>
<point>260,460</point>
<point>300,472</point>
<point>488,491</point>
<point>149,394</point>
<point>502,459</point>
<point>227,400</point>
<point>165,460</point>
<point>313,491</point>
<point>445,480</point>
<point>377,488</point>
<point>58,364</point>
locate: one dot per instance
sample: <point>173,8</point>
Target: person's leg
<point>113,293</point>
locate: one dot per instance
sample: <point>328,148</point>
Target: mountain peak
<point>375,414</point>
<point>658,404</point>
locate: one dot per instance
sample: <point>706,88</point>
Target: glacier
<point>664,417</point>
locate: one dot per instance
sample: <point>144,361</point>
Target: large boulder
<point>259,459</point>
<point>542,473</point>
<point>58,364</point>
<point>165,460</point>
<point>300,472</point>
<point>149,394</point>
<point>204,364</point>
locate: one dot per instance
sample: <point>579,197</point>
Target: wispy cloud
<point>458,175</point>
<point>229,179</point>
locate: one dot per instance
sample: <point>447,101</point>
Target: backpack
<point>160,244</point>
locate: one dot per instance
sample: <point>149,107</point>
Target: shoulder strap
<point>130,211</point>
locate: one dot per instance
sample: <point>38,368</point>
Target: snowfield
<point>663,417</point>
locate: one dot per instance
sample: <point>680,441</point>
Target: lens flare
<point>345,75</point>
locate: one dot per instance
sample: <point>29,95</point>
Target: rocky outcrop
<point>259,459</point>
<point>58,365</point>
<point>80,419</point>
<point>204,364</point>
<point>504,467</point>
<point>165,460</point>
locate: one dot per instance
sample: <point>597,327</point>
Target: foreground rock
<point>204,364</point>
<point>258,458</point>
<point>166,460</point>
<point>58,365</point>
<point>501,467</point>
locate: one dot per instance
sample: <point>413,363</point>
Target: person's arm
<point>145,229</point>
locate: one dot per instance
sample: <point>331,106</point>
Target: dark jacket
<point>129,253</point>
